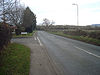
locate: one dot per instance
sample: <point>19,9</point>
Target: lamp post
<point>77,13</point>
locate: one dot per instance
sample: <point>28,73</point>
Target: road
<point>40,62</point>
<point>72,57</point>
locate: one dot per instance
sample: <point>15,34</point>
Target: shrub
<point>76,33</point>
<point>94,35</point>
<point>18,31</point>
<point>22,29</point>
<point>5,35</point>
<point>28,29</point>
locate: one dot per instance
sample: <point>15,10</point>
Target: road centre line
<point>39,41</point>
<point>87,52</point>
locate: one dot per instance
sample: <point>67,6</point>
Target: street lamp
<point>77,14</point>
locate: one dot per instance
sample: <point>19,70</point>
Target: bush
<point>94,35</point>
<point>18,31</point>
<point>76,33</point>
<point>29,30</point>
<point>5,35</point>
<point>22,29</point>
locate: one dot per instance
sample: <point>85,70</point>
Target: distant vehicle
<point>23,33</point>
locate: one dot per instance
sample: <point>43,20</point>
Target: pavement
<point>56,55</point>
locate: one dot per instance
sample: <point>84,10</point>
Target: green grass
<point>24,35</point>
<point>15,60</point>
<point>81,38</point>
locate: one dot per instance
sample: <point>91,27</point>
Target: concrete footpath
<point>41,63</point>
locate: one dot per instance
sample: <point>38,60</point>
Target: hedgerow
<point>5,35</point>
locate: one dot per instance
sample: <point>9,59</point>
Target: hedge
<point>5,35</point>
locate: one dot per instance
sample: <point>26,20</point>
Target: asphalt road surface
<point>40,62</point>
<point>72,57</point>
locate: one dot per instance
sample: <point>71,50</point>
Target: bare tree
<point>12,11</point>
<point>52,22</point>
<point>15,13</point>
<point>4,4</point>
<point>47,22</point>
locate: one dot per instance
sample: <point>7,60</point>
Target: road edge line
<point>87,52</point>
<point>39,41</point>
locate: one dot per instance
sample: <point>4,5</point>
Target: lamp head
<point>74,4</point>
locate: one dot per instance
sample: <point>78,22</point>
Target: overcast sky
<point>63,12</point>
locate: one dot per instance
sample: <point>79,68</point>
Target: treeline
<point>78,32</point>
<point>66,27</point>
<point>14,14</point>
<point>85,31</point>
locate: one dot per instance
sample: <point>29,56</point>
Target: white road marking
<point>39,41</point>
<point>87,52</point>
<point>35,38</point>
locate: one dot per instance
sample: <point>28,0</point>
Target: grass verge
<point>15,60</point>
<point>24,35</point>
<point>81,38</point>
